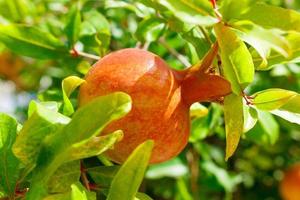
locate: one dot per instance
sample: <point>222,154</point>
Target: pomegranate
<point>161,98</point>
<point>290,185</point>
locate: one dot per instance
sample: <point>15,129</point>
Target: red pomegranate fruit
<point>161,98</point>
<point>290,185</point>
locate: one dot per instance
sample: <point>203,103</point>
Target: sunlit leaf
<point>94,146</point>
<point>31,41</point>
<point>272,99</point>
<point>69,84</point>
<point>197,12</point>
<point>129,177</point>
<point>250,118</point>
<point>102,110</point>
<point>262,40</point>
<point>270,16</point>
<point>236,59</point>
<point>289,116</point>
<point>9,164</point>
<point>232,9</point>
<point>234,122</point>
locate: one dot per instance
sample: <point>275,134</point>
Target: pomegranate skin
<point>158,111</point>
<point>290,185</point>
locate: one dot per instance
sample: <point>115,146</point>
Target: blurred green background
<point>200,171</point>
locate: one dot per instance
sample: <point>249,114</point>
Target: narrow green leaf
<point>272,17</point>
<point>289,116</point>
<point>67,174</point>
<point>196,12</point>
<point>9,164</point>
<point>236,60</point>
<point>72,28</point>
<point>234,122</point>
<point>150,29</point>
<point>250,118</point>
<point>262,40</point>
<point>274,58</point>
<point>32,42</point>
<point>69,84</point>
<point>128,179</point>
<point>102,110</point>
<point>269,125</point>
<point>94,146</point>
<point>272,99</point>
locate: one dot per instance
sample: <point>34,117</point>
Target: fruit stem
<point>76,53</point>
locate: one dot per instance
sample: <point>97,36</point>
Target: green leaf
<point>291,117</point>
<point>197,39</point>
<point>9,164</point>
<point>173,168</point>
<point>293,105</point>
<point>69,84</point>
<point>272,17</point>
<point>95,30</point>
<point>234,122</point>
<point>269,125</point>
<point>203,126</point>
<point>198,110</point>
<point>142,196</point>
<point>87,122</point>
<point>197,12</point>
<point>223,177</point>
<point>274,58</point>
<point>72,28</point>
<point>232,9</point>
<point>103,175</point>
<point>236,60</point>
<point>31,41</point>
<point>128,179</point>
<point>150,29</point>
<point>94,146</point>
<point>41,124</point>
<point>250,118</point>
<point>34,105</point>
<point>272,99</point>
<point>262,40</point>
<point>67,174</point>
<point>78,192</point>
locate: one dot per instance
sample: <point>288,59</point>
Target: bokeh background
<point>200,171</point>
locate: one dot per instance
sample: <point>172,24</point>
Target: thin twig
<point>177,55</point>
<point>84,178</point>
<point>77,53</point>
<point>205,34</point>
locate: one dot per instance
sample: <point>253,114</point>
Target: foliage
<point>48,46</point>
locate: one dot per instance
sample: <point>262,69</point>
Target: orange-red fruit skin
<point>290,185</point>
<point>158,112</point>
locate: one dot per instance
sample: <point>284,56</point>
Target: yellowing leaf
<point>236,59</point>
<point>272,99</point>
<point>69,84</point>
<point>234,122</point>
